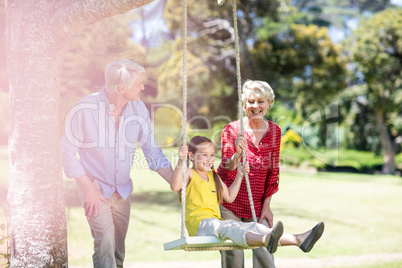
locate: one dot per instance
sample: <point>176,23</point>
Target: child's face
<point>204,157</point>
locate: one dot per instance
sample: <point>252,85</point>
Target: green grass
<point>396,264</point>
<point>354,207</point>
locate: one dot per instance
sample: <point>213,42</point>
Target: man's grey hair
<point>121,73</point>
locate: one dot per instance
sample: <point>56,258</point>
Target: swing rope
<point>183,189</point>
<point>240,107</point>
<point>202,247</point>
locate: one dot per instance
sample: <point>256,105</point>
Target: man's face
<point>133,93</point>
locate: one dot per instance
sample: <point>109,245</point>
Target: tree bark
<point>38,33</point>
<point>387,144</point>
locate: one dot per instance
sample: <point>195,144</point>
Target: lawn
<point>352,206</point>
<point>362,214</point>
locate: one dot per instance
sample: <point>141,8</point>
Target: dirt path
<point>330,262</point>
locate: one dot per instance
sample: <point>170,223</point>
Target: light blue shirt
<point>106,154</point>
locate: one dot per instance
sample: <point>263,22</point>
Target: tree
<point>278,43</point>
<point>90,50</point>
<point>303,65</point>
<point>38,34</point>
<point>4,95</point>
<point>377,52</point>
<point>338,14</point>
<point>212,72</point>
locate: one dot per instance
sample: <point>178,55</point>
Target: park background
<point>335,67</point>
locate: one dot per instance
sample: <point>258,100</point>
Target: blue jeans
<point>235,258</point>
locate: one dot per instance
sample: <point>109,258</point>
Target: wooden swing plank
<point>201,243</point>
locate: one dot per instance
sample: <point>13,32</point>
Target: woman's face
<point>256,108</point>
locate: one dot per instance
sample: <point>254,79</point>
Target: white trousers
<point>230,229</point>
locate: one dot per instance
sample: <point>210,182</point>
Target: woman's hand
<point>240,143</point>
<point>266,213</point>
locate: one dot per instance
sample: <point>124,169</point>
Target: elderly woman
<point>261,140</point>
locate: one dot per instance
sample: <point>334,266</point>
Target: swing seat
<point>202,243</point>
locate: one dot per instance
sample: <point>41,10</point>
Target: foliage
<point>358,120</point>
<point>339,15</point>
<point>358,161</point>
<point>211,41</point>
<point>377,53</point>
<point>167,126</point>
<point>91,49</point>
<point>302,64</point>
<point>5,240</point>
<point>298,60</point>
<point>290,139</point>
<point>398,160</point>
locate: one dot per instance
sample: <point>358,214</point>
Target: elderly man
<point>104,129</point>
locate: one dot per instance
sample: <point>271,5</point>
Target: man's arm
<point>166,173</point>
<point>71,141</point>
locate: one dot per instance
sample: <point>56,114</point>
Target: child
<point>205,190</point>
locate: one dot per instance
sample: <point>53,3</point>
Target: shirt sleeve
<point>72,140</point>
<point>272,182</point>
<point>153,154</point>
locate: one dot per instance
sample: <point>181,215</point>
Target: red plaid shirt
<point>264,168</point>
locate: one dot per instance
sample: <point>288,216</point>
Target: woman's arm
<point>230,194</point>
<point>266,212</point>
<point>177,178</point>
<point>272,181</point>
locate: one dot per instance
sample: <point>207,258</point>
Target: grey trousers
<point>235,258</point>
<point>109,230</point>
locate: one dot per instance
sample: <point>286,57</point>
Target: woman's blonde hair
<point>121,73</point>
<point>259,89</point>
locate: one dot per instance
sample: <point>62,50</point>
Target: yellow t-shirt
<point>201,202</point>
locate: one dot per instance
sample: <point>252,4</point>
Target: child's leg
<point>248,234</point>
<point>257,240</point>
<point>269,240</point>
<point>305,240</point>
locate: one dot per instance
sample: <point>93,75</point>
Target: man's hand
<point>91,197</point>
<point>91,202</point>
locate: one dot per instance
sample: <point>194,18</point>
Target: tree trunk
<point>38,33</point>
<point>387,144</point>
